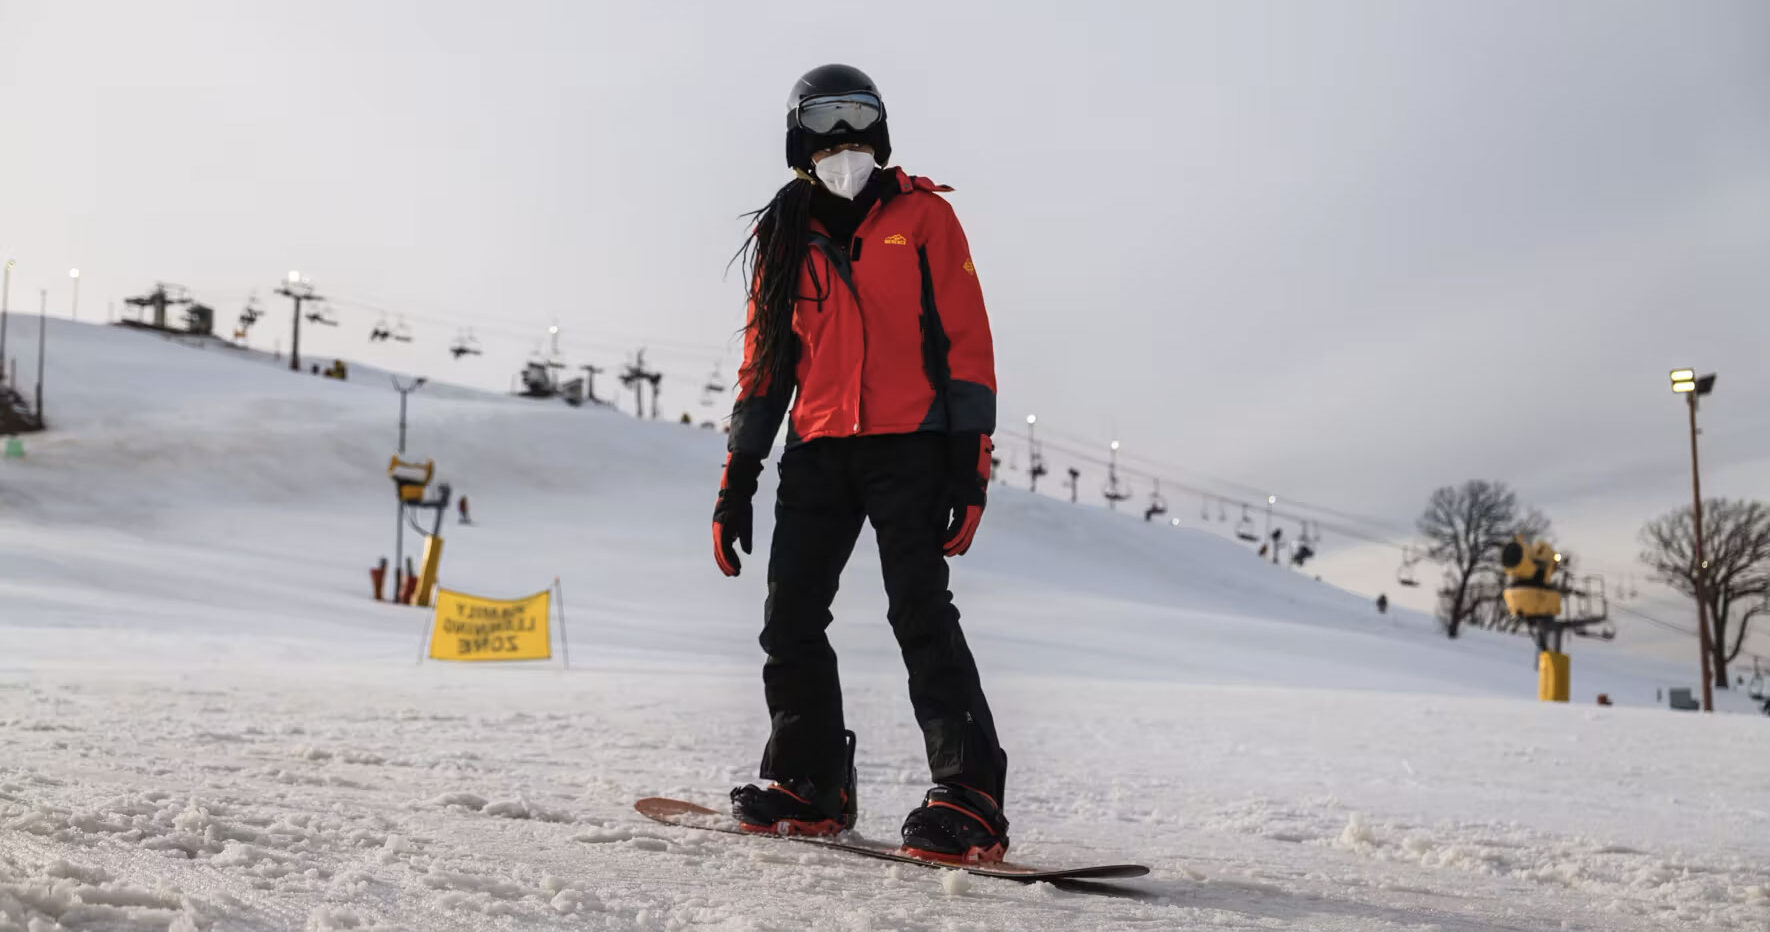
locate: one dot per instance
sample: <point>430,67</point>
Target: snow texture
<point>208,725</point>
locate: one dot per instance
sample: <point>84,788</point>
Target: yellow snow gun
<point>1530,584</point>
<point>411,479</point>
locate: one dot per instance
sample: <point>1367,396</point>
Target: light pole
<point>1270,501</point>
<point>5,299</point>
<point>1035,460</point>
<point>405,390</point>
<point>399,515</point>
<point>75,310</point>
<point>1686,382</point>
<point>42,342</point>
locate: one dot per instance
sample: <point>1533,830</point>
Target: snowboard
<point>689,815</point>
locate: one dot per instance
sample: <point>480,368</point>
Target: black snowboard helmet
<point>838,83</point>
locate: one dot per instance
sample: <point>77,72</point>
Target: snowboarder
<point>864,301</point>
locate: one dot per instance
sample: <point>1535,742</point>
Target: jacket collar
<point>907,182</point>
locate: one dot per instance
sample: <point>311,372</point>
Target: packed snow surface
<point>209,725</point>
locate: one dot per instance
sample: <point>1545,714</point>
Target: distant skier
<point>462,505</point>
<point>864,300</point>
<point>1382,603</point>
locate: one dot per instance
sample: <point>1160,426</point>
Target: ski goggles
<point>824,115</point>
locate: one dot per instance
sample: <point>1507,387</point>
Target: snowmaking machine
<point>410,481</point>
<point>1539,593</point>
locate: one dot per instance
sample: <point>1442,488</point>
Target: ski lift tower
<point>298,291</point>
<point>162,297</point>
<point>635,377</point>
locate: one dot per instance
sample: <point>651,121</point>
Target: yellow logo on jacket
<point>969,268</point>
<point>896,239</point>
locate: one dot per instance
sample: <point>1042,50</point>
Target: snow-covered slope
<point>211,725</point>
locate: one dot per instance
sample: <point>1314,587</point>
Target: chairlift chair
<point>715,386</point>
<point>402,333</point>
<point>464,345</point>
<point>1244,528</point>
<point>322,316</point>
<point>1158,505</point>
<point>1405,573</point>
<point>1115,490</point>
<point>379,333</point>
<point>1605,632</point>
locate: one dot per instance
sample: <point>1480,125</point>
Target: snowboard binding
<point>798,806</point>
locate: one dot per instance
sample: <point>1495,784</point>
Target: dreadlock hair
<point>772,256</point>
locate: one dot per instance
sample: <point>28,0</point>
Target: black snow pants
<point>827,488</point>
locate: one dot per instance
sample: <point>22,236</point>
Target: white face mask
<point>846,172</point>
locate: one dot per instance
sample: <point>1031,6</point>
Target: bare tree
<point>1464,527</point>
<point>1736,547</point>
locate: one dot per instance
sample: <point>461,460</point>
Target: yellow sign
<point>471,628</point>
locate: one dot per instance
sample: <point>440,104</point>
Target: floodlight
<point>73,273</point>
<point>294,277</point>
<point>1682,387</point>
<point>1032,419</point>
<point>1683,375</point>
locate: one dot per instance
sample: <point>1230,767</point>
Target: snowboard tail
<point>690,815</point>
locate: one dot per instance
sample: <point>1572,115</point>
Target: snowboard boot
<point>958,825</point>
<point>798,806</point>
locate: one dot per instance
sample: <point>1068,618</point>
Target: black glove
<point>968,472</point>
<point>732,517</point>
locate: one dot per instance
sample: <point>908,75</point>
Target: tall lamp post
<point>1270,501</point>
<point>42,344</point>
<point>5,300</point>
<point>74,310</point>
<point>404,390</point>
<point>1035,465</point>
<point>1687,383</point>
<point>399,518</point>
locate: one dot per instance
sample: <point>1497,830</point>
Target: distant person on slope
<point>864,301</point>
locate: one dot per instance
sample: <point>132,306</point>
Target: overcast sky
<point>1342,251</point>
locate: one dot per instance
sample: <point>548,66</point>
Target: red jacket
<point>899,343</point>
